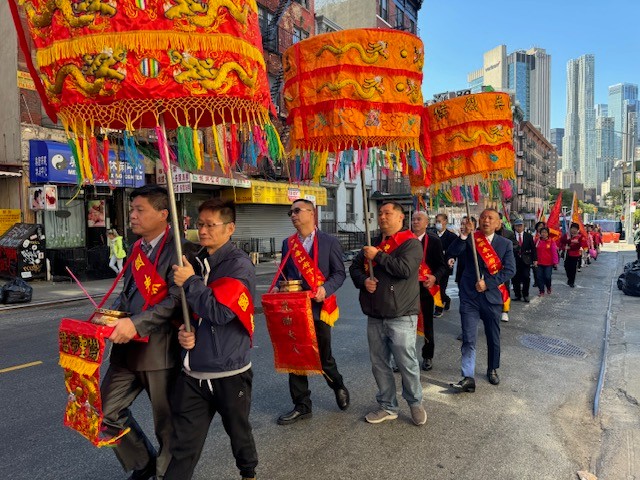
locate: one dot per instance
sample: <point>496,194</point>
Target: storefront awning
<point>276,193</point>
<point>4,173</point>
<point>53,162</point>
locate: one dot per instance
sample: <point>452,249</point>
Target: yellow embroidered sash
<point>391,243</point>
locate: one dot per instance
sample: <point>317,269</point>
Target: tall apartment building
<point>556,136</point>
<point>524,73</point>
<point>604,149</point>
<point>579,140</point>
<point>397,14</point>
<point>619,95</point>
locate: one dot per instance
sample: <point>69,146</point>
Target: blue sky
<point>456,33</point>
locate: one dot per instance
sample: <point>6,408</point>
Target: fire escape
<point>271,43</point>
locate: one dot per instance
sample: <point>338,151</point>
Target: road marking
<point>18,367</point>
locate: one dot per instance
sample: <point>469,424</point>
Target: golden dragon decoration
<point>204,13</point>
<point>77,14</point>
<point>370,55</point>
<point>367,90</point>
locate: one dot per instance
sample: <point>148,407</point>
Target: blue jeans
<point>544,277</point>
<point>397,336</point>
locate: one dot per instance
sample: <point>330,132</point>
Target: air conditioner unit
<point>520,191</point>
<point>520,153</point>
<point>520,133</point>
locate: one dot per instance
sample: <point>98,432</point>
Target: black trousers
<point>571,266</point>
<point>426,306</point>
<point>299,384</point>
<point>194,404</point>
<point>521,280</point>
<point>119,389</point>
<point>638,251</point>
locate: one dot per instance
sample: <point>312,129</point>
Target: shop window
<point>65,227</point>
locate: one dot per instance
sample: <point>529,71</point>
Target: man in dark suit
<point>433,259</point>
<point>482,299</point>
<point>134,365</point>
<point>325,255</point>
<point>447,237</point>
<point>525,254</point>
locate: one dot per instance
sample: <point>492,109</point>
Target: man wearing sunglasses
<point>323,275</point>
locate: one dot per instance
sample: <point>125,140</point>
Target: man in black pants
<point>525,254</point>
<point>323,254</point>
<point>447,237</point>
<point>432,269</point>
<point>216,375</point>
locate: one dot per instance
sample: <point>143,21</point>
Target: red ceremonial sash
<point>150,284</point>
<point>424,270</point>
<point>492,261</point>
<point>234,295</point>
<point>308,268</point>
<point>391,243</point>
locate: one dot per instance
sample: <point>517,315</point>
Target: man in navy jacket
<point>216,374</point>
<point>482,299</point>
<point>328,252</point>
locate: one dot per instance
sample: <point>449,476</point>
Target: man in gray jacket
<point>391,300</point>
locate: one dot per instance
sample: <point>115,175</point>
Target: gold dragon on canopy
<point>369,88</point>
<point>204,13</point>
<point>205,73</point>
<point>100,67</point>
<point>496,134</point>
<point>370,55</point>
<point>75,14</point>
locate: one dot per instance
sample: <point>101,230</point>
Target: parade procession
<point>227,204</point>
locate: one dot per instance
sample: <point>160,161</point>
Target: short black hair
<point>443,215</point>
<point>543,228</point>
<point>226,208</point>
<point>396,205</point>
<point>304,200</point>
<point>157,196</point>
<point>538,225</point>
<point>574,225</point>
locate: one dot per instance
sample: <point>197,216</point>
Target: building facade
<point>524,73</point>
<point>578,150</point>
<point>605,142</point>
<point>621,94</point>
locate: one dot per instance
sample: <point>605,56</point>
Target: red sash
<point>424,270</point>
<point>150,284</point>
<point>391,243</point>
<point>492,261</point>
<point>308,268</point>
<point>234,295</point>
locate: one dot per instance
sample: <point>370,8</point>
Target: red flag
<point>576,216</point>
<point>553,224</point>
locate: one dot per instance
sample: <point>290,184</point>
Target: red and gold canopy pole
<point>350,91</point>
<point>471,141</point>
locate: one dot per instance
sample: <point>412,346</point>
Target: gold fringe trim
<point>298,371</point>
<point>77,364</point>
<point>330,319</point>
<point>141,41</point>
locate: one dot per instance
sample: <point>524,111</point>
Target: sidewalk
<point>53,293</point>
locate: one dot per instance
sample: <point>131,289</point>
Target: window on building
<point>299,34</point>
<point>304,3</point>
<point>384,9</point>
<point>412,26</point>
<point>265,19</point>
<point>66,230</point>
<point>399,18</point>
<point>349,205</point>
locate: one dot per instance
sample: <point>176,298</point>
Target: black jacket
<point>398,291</point>
<point>222,342</point>
<point>435,260</point>
<point>525,254</point>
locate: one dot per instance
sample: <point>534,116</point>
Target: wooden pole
<point>175,224</point>
<point>473,239</point>
<point>365,207</point>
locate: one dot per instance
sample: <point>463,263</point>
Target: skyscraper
<point>604,149</point>
<point>579,140</point>
<point>618,95</point>
<point>526,74</point>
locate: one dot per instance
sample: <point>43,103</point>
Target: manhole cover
<point>554,346</point>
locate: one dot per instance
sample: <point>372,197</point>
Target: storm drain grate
<point>554,346</point>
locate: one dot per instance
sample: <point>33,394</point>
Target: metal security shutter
<point>257,225</point>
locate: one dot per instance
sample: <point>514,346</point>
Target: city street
<point>537,424</point>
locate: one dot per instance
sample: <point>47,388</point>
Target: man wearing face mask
<point>446,237</point>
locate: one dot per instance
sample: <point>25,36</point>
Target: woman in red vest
<point>573,243</point>
<point>547,258</point>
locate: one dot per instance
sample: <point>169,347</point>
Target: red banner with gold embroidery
<point>424,270</point>
<point>81,346</point>
<point>234,294</point>
<point>472,135</point>
<point>150,284</point>
<point>293,334</point>
<point>491,259</point>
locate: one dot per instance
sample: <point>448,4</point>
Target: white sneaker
<point>505,317</point>
<point>418,415</point>
<point>380,415</point>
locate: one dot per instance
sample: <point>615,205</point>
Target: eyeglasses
<point>297,211</point>
<point>209,226</point>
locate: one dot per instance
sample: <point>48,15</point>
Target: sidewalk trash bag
<point>632,283</point>
<point>16,291</point>
<point>621,281</point>
<point>635,265</point>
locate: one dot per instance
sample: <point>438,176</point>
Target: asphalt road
<point>536,424</point>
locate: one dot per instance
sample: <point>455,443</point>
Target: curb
<point>46,303</point>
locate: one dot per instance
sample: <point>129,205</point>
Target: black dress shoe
<point>525,299</point>
<point>437,313</point>
<point>292,417</point>
<point>493,377</point>
<point>447,304</point>
<point>467,384</point>
<point>427,364</point>
<point>149,471</point>
<point>516,299</point>
<point>342,398</point>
